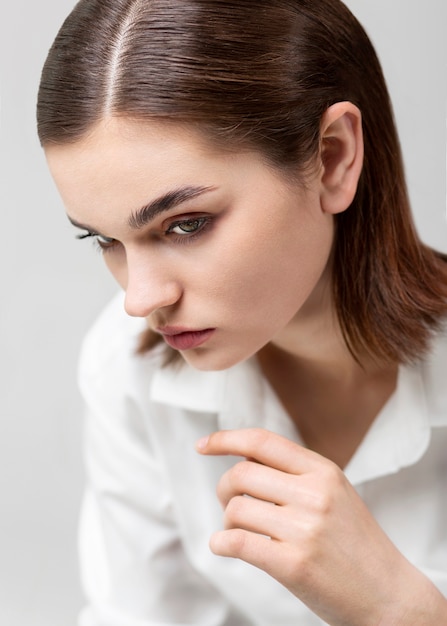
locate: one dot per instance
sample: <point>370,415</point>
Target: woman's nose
<point>149,288</point>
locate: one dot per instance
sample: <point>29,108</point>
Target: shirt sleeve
<point>133,566</point>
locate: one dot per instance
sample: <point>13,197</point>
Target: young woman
<point>283,335</point>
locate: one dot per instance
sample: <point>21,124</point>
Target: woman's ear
<point>341,156</point>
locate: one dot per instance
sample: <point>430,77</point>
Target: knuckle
<point>237,539</point>
<point>260,438</point>
<point>239,473</point>
<point>235,511</point>
<point>334,477</point>
<point>323,503</point>
<point>221,491</point>
<point>331,483</point>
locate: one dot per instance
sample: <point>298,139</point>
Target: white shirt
<point>150,505</point>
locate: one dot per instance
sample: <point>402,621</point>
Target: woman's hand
<point>305,525</point>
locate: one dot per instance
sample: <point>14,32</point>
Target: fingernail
<point>202,443</point>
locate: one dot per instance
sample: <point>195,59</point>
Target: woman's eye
<point>187,227</point>
<point>104,243</point>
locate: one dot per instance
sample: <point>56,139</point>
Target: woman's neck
<point>331,397</point>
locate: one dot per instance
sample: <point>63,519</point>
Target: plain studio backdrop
<point>53,287</point>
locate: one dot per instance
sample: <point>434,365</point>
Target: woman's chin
<point>212,360</point>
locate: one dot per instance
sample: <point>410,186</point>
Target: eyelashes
<point>102,243</point>
<point>179,232</point>
<point>182,231</point>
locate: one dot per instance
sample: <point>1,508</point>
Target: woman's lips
<point>186,339</point>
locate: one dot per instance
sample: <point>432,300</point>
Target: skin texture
<point>250,258</point>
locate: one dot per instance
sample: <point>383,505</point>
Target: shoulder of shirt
<point>111,342</point>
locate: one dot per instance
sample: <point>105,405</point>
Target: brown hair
<point>261,74</point>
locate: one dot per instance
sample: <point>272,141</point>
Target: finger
<point>257,516</point>
<point>256,480</point>
<point>257,549</point>
<point>264,447</point>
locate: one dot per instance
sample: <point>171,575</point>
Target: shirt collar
<point>400,434</point>
<point>398,437</point>
<point>180,385</point>
<point>240,396</point>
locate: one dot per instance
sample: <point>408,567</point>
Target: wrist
<point>419,603</point>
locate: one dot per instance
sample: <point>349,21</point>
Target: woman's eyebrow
<point>166,202</point>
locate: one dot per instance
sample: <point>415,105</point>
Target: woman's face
<point>219,252</point>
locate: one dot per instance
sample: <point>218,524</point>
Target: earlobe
<point>341,156</point>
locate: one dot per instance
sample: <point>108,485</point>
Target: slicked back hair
<point>261,74</point>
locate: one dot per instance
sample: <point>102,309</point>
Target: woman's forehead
<point>129,165</point>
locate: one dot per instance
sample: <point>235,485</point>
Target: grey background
<point>53,286</point>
